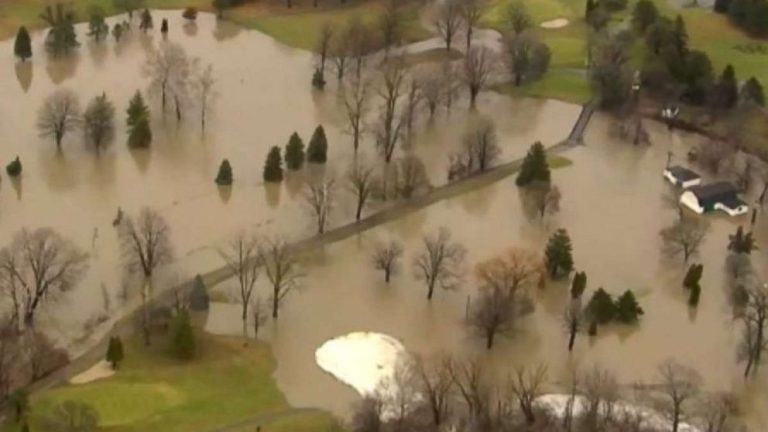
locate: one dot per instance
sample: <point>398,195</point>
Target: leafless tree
<point>386,258</point>
<point>713,155</point>
<point>390,24</point>
<point>631,129</point>
<point>170,70</point>
<point>360,41</point>
<point>541,199</point>
<point>340,53</point>
<point>411,177</point>
<point>432,90</point>
<point>518,18</point>
<point>320,198</point>
<point>572,320</point>
<point>324,42</point>
<point>146,246</point>
<point>527,58</point>
<point>511,271</point>
<point>471,13</point>
<point>282,269</point>
<point>399,393</point>
<point>204,83</point>
<point>473,386</point>
<point>481,147</point>
<point>684,237</point>
<point>526,386</point>
<point>362,183</point>
<point>434,386</point>
<point>717,412</point>
<point>448,20</point>
<point>60,114</point>
<point>39,354</point>
<point>259,315</point>
<point>241,258</point>
<point>600,390</point>
<point>440,263</point>
<point>493,314</point>
<point>99,121</point>
<point>367,414</point>
<point>678,387</point>
<point>451,81</point>
<point>478,67</point>
<point>413,98</point>
<point>9,354</point>
<point>356,99</point>
<point>36,267</point>
<point>388,130</point>
<point>754,318</point>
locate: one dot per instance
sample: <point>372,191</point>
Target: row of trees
<point>751,15</point>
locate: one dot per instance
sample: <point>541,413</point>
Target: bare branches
<point>388,130</point>
<point>541,199</point>
<point>282,270</point>
<point>204,83</point>
<point>679,386</point>
<point>754,318</point>
<point>356,98</point>
<point>170,70</point>
<point>386,256</point>
<point>320,198</point>
<point>362,183</point>
<point>480,151</point>
<point>60,114</point>
<point>494,313</point>
<point>478,66</point>
<point>527,58</point>
<point>441,262</point>
<point>435,383</point>
<point>471,13</point>
<point>241,257</point>
<point>324,44</point>
<point>514,269</point>
<point>526,386</point>
<point>411,177</point>
<point>684,237</point>
<point>448,20</point>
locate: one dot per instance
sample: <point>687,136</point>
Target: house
<point>714,196</point>
<point>682,177</point>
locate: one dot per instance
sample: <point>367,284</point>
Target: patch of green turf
<point>556,162</point>
<point>563,84</point>
<point>226,384</point>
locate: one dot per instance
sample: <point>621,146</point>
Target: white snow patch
<point>363,360</point>
<point>555,23</point>
<point>98,371</point>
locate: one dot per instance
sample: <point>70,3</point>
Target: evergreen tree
<point>115,352</point>
<point>146,22</point>
<point>628,311</point>
<point>117,31</point>
<point>601,309</point>
<point>294,153</point>
<point>752,92</point>
<point>680,35</point>
<point>224,177</point>
<point>164,26</point>
<point>97,26</point>
<point>22,47</point>
<point>741,243</point>
<point>273,167</point>
<point>727,88</point>
<point>61,37</point>
<point>140,135</point>
<point>693,297</point>
<point>693,276</point>
<point>317,151</point>
<point>558,254</point>
<point>535,167</point>
<point>137,110</point>
<point>644,14</point>
<point>721,6</point>
<point>578,285</point>
<point>183,343</point>
<point>14,168</point>
<point>198,297</point>
<point>139,131</point>
<point>98,121</point>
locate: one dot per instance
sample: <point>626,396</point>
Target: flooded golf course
<point>612,206</point>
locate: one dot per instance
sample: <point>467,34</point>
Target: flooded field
<point>613,209</point>
<point>263,95</point>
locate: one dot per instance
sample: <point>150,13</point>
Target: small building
<point>682,177</point>
<point>714,196</point>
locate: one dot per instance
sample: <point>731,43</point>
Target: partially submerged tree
<point>61,38</point>
<point>478,69</point>
<point>170,70</point>
<point>320,198</point>
<point>754,319</point>
<point>388,129</point>
<point>59,115</point>
<point>684,237</point>
<point>281,268</point>
<point>317,151</point>
<point>526,387</point>
<point>22,46</point>
<point>390,24</point>
<point>139,131</point>
<point>511,271</point>
<point>324,46</point>
<point>441,262</point>
<point>558,254</point>
<point>294,153</point>
<point>273,167</point>
<point>128,6</point>
<point>541,199</point>
<point>471,13</point>
<point>99,121</point>
<point>97,26</point>
<point>448,21</point>
<point>496,312</point>
<point>527,58</point>
<point>224,176</point>
<point>740,242</point>
<point>628,310</point>
<point>411,177</point>
<point>356,97</point>
<point>480,148</point>
<point>362,183</point>
<point>204,88</point>
<point>678,388</point>
<point>573,320</point>
<point>535,166</point>
<point>242,259</point>
<point>386,258</point>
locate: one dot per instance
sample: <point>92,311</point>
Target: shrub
<point>115,352</point>
<point>198,297</point>
<point>14,168</point>
<point>183,344</point>
<point>224,177</point>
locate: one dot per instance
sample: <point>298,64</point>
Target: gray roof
<point>718,192</point>
<point>682,174</point>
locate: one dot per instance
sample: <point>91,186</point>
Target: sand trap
<point>98,371</point>
<point>555,23</point>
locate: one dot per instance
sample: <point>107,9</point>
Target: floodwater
<point>612,207</point>
<point>263,95</point>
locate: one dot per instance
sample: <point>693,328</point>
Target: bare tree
<point>478,66</point>
<point>471,13</point>
<point>511,271</point>
<point>527,58</point>
<point>170,70</point>
<point>360,41</point>
<point>386,258</point>
<point>60,114</point>
<point>356,98</point>
<point>99,121</point>
<point>320,198</point>
<point>434,385</point>
<point>36,267</point>
<point>451,82</point>
<point>362,183</point>
<point>679,386</point>
<point>473,386</point>
<point>600,391</point>
<point>411,177</point>
<point>518,18</point>
<point>754,318</point>
<point>493,314</point>
<point>388,130</point>
<point>432,89</point>
<point>324,42</point>
<point>259,315</point>
<point>204,83</point>
<point>572,320</point>
<point>390,24</point>
<point>743,172</point>
<point>713,155</point>
<point>684,237</point>
<point>241,258</point>
<point>413,99</point>
<point>440,263</point>
<point>146,245</point>
<point>526,386</point>
<point>541,199</point>
<point>717,412</point>
<point>340,53</point>
<point>481,147</point>
<point>282,270</point>
<point>448,20</point>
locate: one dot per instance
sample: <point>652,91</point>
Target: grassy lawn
<point>563,84</point>
<point>556,162</point>
<point>226,384</point>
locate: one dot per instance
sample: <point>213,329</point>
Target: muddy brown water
<point>263,95</point>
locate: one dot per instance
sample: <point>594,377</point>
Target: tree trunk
<point>359,212</point>
<point>387,274</point>
<point>430,289</point>
<point>145,324</point>
<point>490,335</point>
<point>275,304</point>
<point>572,339</point>
<point>245,323</point>
<point>178,108</point>
<point>748,368</point>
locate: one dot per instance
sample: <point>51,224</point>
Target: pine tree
<point>752,92</point>
<point>224,177</point>
<point>680,35</point>
<point>137,110</point>
<point>693,276</point>
<point>115,352</point>
<point>601,309</point>
<point>628,311</point>
<point>183,343</point>
<point>22,48</point>
<point>146,20</point>
<point>728,88</point>
<point>317,152</point>
<point>558,254</point>
<point>273,167</point>
<point>741,243</point>
<point>294,153</point>
<point>14,168</point>
<point>139,131</point>
<point>140,135</point>
<point>97,26</point>
<point>578,285</point>
<point>535,167</point>
<point>693,297</point>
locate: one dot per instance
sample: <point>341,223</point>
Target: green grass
<point>556,162</point>
<point>566,85</point>
<point>226,384</point>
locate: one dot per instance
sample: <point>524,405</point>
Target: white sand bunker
<point>362,360</point>
<point>555,23</point>
<point>98,371</point>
